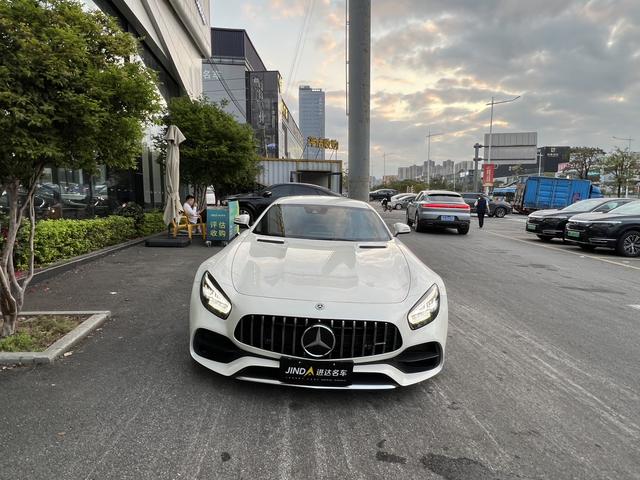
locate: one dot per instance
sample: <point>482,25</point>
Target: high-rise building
<point>311,114</point>
<point>447,166</point>
<point>464,166</point>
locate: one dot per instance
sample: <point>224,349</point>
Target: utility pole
<point>626,183</point>
<point>359,97</point>
<point>429,156</point>
<point>476,159</point>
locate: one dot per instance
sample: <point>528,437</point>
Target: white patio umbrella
<point>174,138</point>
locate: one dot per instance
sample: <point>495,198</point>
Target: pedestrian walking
<point>482,206</point>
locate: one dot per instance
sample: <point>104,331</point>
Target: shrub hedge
<point>62,239</point>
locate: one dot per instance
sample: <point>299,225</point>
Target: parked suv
<point>618,229</point>
<point>253,204</point>
<point>439,208</point>
<point>549,224</point>
<point>497,206</point>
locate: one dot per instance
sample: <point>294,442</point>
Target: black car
<point>497,206</point>
<point>549,224</point>
<point>619,229</point>
<point>253,204</point>
<point>382,193</point>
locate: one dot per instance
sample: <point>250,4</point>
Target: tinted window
<point>303,190</point>
<point>610,206</point>
<point>632,208</point>
<point>322,222</point>
<point>583,206</point>
<point>281,191</point>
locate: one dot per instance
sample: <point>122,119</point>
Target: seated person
<point>191,209</point>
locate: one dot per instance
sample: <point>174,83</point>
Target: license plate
<point>447,218</point>
<point>531,227</point>
<point>573,234</point>
<point>309,372</point>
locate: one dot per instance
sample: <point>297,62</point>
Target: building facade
<point>311,108</point>
<point>236,76</point>
<point>174,38</point>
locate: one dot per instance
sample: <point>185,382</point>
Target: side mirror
<point>242,221</point>
<point>266,194</point>
<point>400,229</point>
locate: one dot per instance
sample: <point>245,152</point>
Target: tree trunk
<point>11,289</point>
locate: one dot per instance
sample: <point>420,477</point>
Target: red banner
<point>487,173</point>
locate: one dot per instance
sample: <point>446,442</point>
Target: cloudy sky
<point>436,63</point>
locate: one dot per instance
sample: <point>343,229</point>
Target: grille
<point>354,338</point>
<point>577,226</point>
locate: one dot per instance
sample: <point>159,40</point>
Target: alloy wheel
<point>631,245</point>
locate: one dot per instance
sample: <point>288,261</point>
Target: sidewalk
<point>60,421</point>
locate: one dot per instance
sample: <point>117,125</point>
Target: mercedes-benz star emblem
<point>318,341</point>
<point>319,306</point>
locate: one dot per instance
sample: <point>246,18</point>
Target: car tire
<point>499,212</point>
<point>398,207</point>
<point>248,211</point>
<point>409,221</point>
<point>629,244</point>
<point>416,224</point>
<point>463,230</point>
<point>545,238</point>
<point>588,248</point>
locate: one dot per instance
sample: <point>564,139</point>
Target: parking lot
<point>541,379</point>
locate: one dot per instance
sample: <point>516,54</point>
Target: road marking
<point>637,307</point>
<point>529,242</point>
<point>518,220</point>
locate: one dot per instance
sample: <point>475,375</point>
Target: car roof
<point>321,200</point>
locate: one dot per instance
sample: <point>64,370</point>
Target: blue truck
<point>537,193</point>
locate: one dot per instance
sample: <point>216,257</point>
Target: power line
<point>300,45</point>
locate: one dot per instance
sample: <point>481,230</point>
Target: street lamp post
<point>626,182</point>
<point>384,165</point>
<point>492,103</point>
<point>429,155</point>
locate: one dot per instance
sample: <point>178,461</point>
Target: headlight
<point>426,310</point>
<point>213,298</point>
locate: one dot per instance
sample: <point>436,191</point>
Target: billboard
<point>511,149</point>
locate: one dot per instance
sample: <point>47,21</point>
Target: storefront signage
<point>322,143</point>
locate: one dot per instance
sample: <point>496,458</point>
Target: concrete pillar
<point>359,97</point>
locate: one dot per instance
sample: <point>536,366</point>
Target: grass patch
<point>37,333</point>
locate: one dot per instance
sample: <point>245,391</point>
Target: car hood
<point>544,213</point>
<point>321,271</point>
<point>596,216</point>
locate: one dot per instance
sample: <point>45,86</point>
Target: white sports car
<point>319,293</point>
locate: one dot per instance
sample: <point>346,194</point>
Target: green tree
<point>72,95</point>
<point>623,166</point>
<point>584,159</point>
<point>218,150</point>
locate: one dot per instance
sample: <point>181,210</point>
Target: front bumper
<point>421,355</point>
<point>586,238</point>
<point>545,228</point>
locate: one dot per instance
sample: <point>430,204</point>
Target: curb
<point>62,345</point>
<point>66,265</point>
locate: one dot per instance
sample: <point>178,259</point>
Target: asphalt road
<point>542,379</point>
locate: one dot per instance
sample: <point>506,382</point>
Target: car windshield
<point>323,222</point>
<point>583,206</point>
<point>632,208</point>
